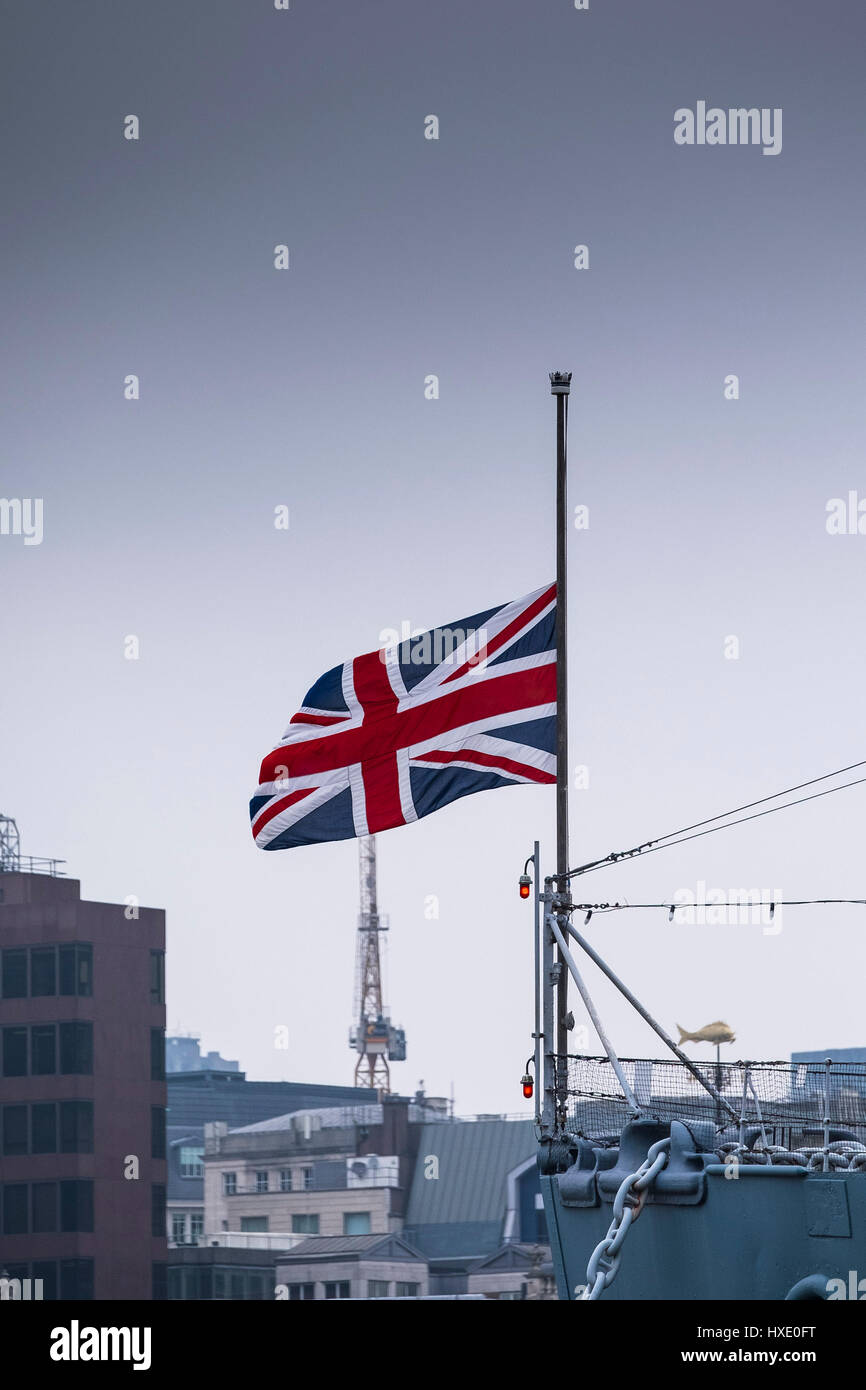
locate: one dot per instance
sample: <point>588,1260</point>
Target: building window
<point>76,1049</point>
<point>14,1051</point>
<point>54,970</point>
<point>178,1227</point>
<point>192,1161</point>
<point>157,1054</point>
<point>15,1272</point>
<point>406,1290</point>
<point>157,977</point>
<point>46,1270</point>
<point>285,1179</point>
<point>15,1209</point>
<point>305,1223</point>
<point>76,1126</point>
<point>356,1223</point>
<point>254,1223</point>
<point>76,1205</point>
<point>157,1131</point>
<point>196,1226</point>
<point>157,1209</point>
<point>43,1049</point>
<point>230,1184</point>
<point>308,1179</point>
<point>43,971</point>
<point>76,1136</point>
<point>76,969</point>
<point>339,1290</point>
<point>84,970</point>
<point>14,1130</point>
<point>14,976</point>
<point>43,1123</point>
<point>262,1181</point>
<point>378,1288</point>
<point>76,1279</point>
<point>298,1291</point>
<point>43,1201</point>
<point>159,1281</point>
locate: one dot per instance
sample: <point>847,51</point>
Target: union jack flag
<point>397,733</point>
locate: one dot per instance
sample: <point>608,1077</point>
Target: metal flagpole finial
<point>560,383</point>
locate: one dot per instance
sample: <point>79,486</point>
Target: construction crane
<point>372,1036</point>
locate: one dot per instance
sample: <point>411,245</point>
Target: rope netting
<point>775,1103</point>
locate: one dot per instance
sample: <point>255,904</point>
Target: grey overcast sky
<point>305,388</point>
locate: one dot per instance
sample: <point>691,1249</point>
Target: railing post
<point>536,860</point>
<point>548,990</point>
<point>827,1065</point>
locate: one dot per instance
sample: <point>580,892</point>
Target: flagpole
<point>560,386</point>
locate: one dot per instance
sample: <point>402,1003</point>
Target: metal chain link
<point>843,1155</point>
<point>603,1265</point>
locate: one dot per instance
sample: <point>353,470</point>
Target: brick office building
<point>82,1092</point>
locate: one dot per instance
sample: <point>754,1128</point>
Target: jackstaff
<point>560,386</point>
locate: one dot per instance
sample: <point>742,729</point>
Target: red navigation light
<point>525,883</point>
<point>526,1083</point>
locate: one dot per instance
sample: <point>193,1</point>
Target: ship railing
<point>792,1104</point>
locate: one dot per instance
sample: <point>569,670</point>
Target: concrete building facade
<point>183,1054</point>
<point>337,1267</point>
<point>201,1096</point>
<point>375,1200</point>
<point>342,1171</point>
<point>82,1060</point>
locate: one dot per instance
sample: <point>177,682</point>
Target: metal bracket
<point>555,1154</point>
<point>577,1186</point>
<point>596,1174</point>
<point>683,1180</point>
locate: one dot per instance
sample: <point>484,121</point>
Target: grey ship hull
<point>771,1232</point>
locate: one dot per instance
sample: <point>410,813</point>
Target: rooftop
<point>388,1246</point>
<point>199,1097</point>
<point>474,1161</point>
<point>325,1117</point>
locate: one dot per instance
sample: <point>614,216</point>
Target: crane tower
<point>372,1035</point>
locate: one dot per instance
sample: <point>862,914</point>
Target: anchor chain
<point>603,1265</point>
<point>843,1155</point>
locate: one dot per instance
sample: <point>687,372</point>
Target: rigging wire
<point>684,907</point>
<point>668,841</point>
<point>761,800</point>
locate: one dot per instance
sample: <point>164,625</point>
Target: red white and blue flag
<point>393,735</point>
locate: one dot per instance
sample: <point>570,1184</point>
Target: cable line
<point>682,907</point>
<point>667,841</point>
